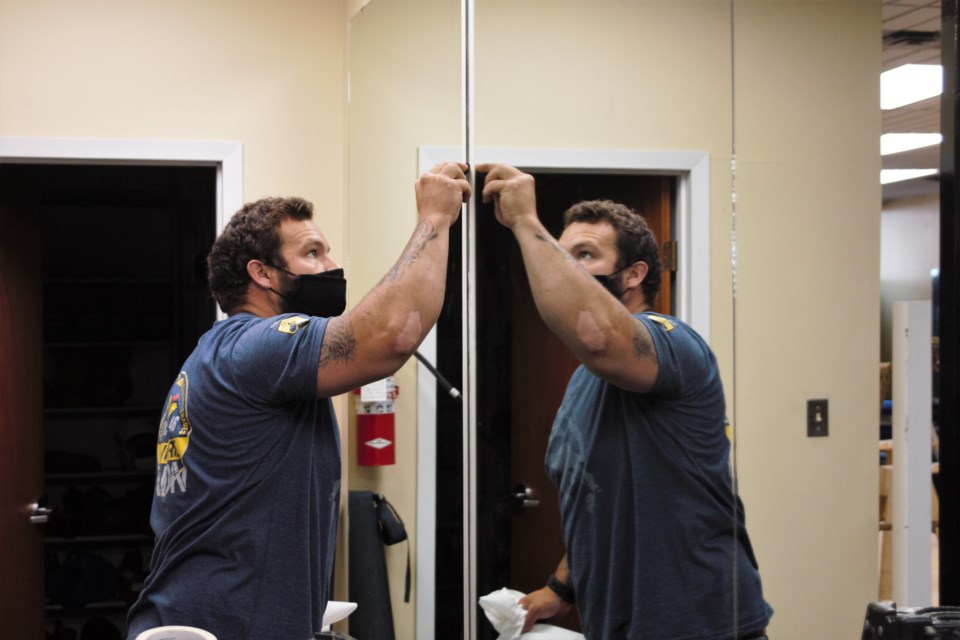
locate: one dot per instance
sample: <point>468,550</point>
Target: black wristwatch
<point>565,591</point>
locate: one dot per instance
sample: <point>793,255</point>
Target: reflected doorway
<point>523,370</point>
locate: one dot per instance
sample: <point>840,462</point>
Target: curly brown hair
<point>635,240</point>
<point>251,234</point>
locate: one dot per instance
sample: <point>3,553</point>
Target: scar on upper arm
<point>642,342</point>
<point>410,335</point>
<point>589,332</point>
<point>339,342</point>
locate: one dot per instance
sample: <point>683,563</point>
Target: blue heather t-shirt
<point>646,501</point>
<point>248,487</point>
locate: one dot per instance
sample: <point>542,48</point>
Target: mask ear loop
<point>614,273</point>
<point>294,288</point>
<point>620,270</point>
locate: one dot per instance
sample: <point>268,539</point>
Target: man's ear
<point>636,274</point>
<point>259,274</point>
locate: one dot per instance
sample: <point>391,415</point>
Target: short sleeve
<point>685,362</point>
<point>275,359</point>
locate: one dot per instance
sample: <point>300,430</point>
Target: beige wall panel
<point>807,328</point>
<point>268,76</point>
<point>805,72</point>
<point>808,221</point>
<point>612,74</point>
<point>404,93</point>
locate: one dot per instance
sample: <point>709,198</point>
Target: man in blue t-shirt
<point>247,493</point>
<point>654,533</point>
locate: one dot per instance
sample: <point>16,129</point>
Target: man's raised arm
<point>376,337</point>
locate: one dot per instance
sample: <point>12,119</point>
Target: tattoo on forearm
<point>339,343</point>
<point>423,234</point>
<point>642,343</point>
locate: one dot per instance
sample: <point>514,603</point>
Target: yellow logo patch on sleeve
<point>292,324</point>
<point>663,322</point>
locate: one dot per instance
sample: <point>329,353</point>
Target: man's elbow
<point>407,336</point>
<point>398,341</point>
<point>592,337</point>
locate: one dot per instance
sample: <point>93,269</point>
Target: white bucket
<point>176,633</point>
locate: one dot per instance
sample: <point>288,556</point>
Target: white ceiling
<point>911,35</point>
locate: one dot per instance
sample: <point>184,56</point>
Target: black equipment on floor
<point>884,621</point>
<point>373,524</point>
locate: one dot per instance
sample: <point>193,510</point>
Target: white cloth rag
<point>336,611</point>
<point>504,612</point>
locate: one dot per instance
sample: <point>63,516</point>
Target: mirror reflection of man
<point>245,534</point>
<point>638,450</point>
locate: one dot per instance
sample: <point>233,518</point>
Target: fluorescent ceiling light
<point>899,142</point>
<point>898,175</point>
<point>910,83</point>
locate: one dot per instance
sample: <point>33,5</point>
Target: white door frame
<point>692,296</point>
<point>227,157</point>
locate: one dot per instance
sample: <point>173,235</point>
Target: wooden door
<point>21,389</point>
<point>541,366</point>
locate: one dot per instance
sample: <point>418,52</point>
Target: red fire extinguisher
<point>375,425</point>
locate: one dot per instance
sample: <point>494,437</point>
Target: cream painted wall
<point>404,92</point>
<point>808,232</point>
<point>268,75</point>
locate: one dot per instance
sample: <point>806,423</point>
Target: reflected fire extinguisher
<point>375,422</point>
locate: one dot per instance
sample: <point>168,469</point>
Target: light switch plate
<point>817,422</point>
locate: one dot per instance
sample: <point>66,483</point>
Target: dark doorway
<point>122,281</point>
<point>522,371</point>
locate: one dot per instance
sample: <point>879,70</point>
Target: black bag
<point>391,526</point>
<point>392,531</point>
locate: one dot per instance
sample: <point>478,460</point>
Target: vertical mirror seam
<point>734,478</point>
<point>469,334</point>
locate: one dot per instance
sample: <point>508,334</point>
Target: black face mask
<point>319,294</point>
<point>611,282</point>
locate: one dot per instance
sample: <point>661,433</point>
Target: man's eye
<point>313,253</point>
<point>584,255</point>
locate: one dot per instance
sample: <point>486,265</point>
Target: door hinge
<point>669,255</point>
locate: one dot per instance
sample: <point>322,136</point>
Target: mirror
<point>605,101</point>
<point>718,112</point>
<point>405,74</point>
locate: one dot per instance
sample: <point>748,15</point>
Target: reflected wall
<point>609,78</point>
<point>630,76</point>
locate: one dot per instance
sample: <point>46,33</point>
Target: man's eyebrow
<point>315,242</point>
<point>583,244</point>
